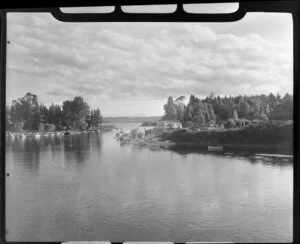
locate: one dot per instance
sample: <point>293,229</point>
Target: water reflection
<point>73,151</point>
<point>26,154</point>
<point>78,148</point>
<point>270,159</point>
<point>89,186</point>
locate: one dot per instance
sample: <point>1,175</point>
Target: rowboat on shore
<point>215,148</point>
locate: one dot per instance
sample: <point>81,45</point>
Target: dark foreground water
<point>89,187</point>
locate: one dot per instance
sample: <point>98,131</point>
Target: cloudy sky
<point>129,69</point>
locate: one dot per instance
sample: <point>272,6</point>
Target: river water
<point>89,187</point>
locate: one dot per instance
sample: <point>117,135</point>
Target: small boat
<point>215,148</point>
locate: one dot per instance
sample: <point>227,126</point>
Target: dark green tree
<point>180,108</point>
<point>26,109</point>
<point>235,115</point>
<point>170,110</point>
<point>243,109</point>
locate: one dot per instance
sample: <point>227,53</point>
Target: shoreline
<point>210,147</point>
<point>258,139</point>
<point>106,127</point>
<point>200,141</point>
<point>266,149</point>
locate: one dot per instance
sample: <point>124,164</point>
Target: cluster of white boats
<point>38,135</point>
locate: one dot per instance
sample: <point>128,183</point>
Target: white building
<point>168,125</point>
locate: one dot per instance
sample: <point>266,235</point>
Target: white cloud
<point>140,62</point>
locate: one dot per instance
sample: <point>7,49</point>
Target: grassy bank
<point>271,137</point>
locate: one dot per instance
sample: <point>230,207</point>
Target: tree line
<point>27,114</point>
<point>231,111</point>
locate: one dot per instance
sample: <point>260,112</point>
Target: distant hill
<point>129,119</point>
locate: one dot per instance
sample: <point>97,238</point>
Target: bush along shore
<point>269,137</point>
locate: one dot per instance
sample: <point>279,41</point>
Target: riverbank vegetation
<point>276,136</point>
<point>27,114</point>
<point>229,112</point>
<point>258,122</point>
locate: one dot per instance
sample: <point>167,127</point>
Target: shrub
<point>140,135</point>
<point>148,132</point>
<point>134,133</point>
<point>41,127</point>
<point>188,124</point>
<point>247,122</point>
<point>9,127</point>
<point>230,123</point>
<point>83,126</point>
<point>49,127</point>
<point>18,126</point>
<point>263,117</point>
<point>239,123</point>
<point>212,123</point>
